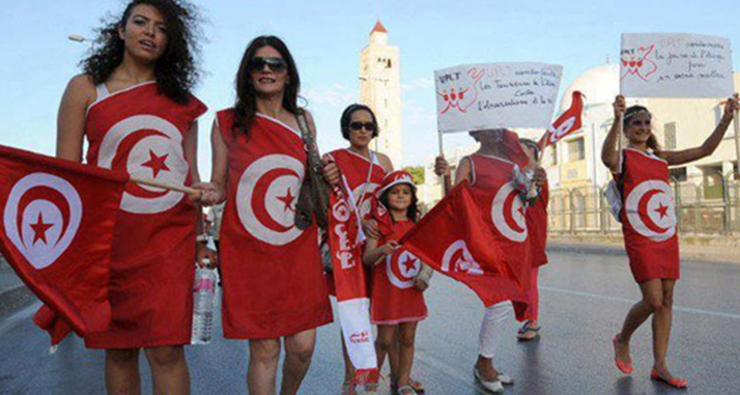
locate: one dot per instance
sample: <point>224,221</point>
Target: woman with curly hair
<point>133,105</point>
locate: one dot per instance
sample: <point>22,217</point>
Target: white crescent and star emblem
<point>266,197</point>
<point>402,268</point>
<point>41,217</point>
<point>364,201</point>
<point>155,153</point>
<point>651,210</point>
<point>457,258</point>
<point>508,214</point>
<point>562,129</point>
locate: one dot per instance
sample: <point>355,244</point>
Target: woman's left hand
<point>202,252</point>
<point>731,107</point>
<point>540,177</point>
<point>331,171</point>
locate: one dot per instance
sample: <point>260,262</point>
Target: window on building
<point>389,64</point>
<point>670,135</point>
<point>678,174</point>
<point>554,154</point>
<point>576,150</point>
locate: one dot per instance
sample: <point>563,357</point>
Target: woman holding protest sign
<point>133,103</point>
<point>647,213</point>
<point>273,285</point>
<point>496,173</point>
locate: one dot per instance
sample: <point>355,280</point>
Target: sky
<point>326,38</point>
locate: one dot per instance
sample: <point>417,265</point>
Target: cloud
<point>419,83</point>
<point>335,96</point>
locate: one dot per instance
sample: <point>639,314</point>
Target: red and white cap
<point>394,178</point>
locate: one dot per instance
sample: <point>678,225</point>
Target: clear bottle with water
<point>204,298</point>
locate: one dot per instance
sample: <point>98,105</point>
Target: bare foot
<point>486,371</point>
<point>622,350</point>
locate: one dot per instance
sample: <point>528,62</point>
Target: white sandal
<point>406,390</point>
<point>493,386</point>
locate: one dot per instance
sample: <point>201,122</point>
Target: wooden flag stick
<point>447,179</point>
<point>620,131</point>
<point>164,185</point>
<point>736,123</point>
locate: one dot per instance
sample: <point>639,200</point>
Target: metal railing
<point>705,204</point>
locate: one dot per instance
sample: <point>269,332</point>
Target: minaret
<point>380,89</point>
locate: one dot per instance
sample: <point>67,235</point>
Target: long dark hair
<point>347,118</point>
<point>245,108</point>
<point>412,212</point>
<point>176,71</point>
<point>652,142</point>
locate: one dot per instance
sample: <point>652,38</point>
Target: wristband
<point>202,237</point>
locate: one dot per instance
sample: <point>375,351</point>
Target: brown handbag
<point>313,199</point>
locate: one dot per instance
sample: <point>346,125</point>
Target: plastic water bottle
<point>204,295</point>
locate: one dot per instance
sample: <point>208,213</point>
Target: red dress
<point>143,132</point>
<point>363,177</point>
<point>649,217</point>
<point>394,298</point>
<point>537,226</point>
<point>494,190</point>
<point>272,273</point>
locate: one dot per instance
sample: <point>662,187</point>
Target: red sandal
<point>675,382</point>
<point>624,367</point>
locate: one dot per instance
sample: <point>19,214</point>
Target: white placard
<point>675,65</point>
<point>496,95</point>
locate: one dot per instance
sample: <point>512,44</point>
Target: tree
<point>417,172</point>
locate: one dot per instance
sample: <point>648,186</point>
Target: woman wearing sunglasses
<point>364,171</point>
<point>272,273</point>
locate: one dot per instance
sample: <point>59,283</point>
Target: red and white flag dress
<point>272,273</point>
<point>364,177</point>
<point>495,192</point>
<point>649,217</point>
<point>537,227</point>
<point>141,131</point>
<point>394,298</point>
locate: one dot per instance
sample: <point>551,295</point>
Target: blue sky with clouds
<point>326,38</point>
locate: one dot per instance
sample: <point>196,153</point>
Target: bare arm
<point>385,161</point>
<point>215,191</point>
<point>464,171</point>
<point>71,120</point>
<point>609,151</point>
<point>710,144</point>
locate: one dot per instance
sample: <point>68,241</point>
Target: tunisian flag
<point>57,234</point>
<point>567,123</point>
<point>345,236</point>
<point>454,240</point>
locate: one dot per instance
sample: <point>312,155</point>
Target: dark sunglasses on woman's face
<point>275,64</point>
<point>369,126</point>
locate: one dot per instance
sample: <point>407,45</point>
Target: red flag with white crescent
<point>567,123</point>
<point>57,234</point>
<point>353,303</point>
<point>454,240</point>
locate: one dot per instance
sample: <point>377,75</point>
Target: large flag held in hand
<point>567,123</point>
<point>353,303</point>
<point>57,234</point>
<point>454,240</point>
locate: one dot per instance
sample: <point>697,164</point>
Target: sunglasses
<point>274,64</point>
<point>369,126</point>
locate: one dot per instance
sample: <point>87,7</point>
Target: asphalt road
<point>584,299</point>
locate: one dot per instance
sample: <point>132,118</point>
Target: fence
<point>705,204</point>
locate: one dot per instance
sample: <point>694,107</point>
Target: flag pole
<point>736,123</point>
<point>164,185</point>
<point>446,180</point>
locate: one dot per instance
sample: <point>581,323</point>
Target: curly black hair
<point>245,108</point>
<point>177,71</point>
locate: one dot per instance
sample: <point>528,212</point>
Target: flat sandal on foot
<point>406,390</point>
<point>624,367</point>
<point>493,386</point>
<point>675,382</point>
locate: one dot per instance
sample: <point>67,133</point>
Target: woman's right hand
<point>370,227</point>
<point>210,195</point>
<point>620,106</point>
<point>390,247</point>
<point>441,167</point>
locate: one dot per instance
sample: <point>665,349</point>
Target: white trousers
<point>494,322</point>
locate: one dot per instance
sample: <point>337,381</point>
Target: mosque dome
<point>599,85</point>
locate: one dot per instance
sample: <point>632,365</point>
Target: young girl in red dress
<point>649,225</point>
<point>398,278</point>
